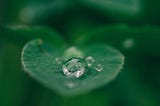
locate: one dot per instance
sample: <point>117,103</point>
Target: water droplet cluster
<point>77,67</point>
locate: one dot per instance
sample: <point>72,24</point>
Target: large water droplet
<point>74,67</point>
<point>99,67</point>
<point>89,60</point>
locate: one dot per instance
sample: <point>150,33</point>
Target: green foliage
<point>33,11</point>
<point>20,34</point>
<point>88,26</point>
<point>133,41</point>
<point>38,59</point>
<point>129,8</point>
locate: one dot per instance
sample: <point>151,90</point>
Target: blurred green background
<point>132,26</point>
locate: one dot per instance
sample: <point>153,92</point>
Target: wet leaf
<point>132,41</point>
<point>129,8</point>
<point>38,60</point>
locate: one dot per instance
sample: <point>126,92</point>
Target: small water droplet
<point>70,84</point>
<point>89,60</point>
<point>99,67</point>
<point>74,67</point>
<point>59,60</point>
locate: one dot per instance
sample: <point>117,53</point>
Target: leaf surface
<point>38,60</point>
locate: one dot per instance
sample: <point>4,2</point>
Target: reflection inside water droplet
<point>99,67</point>
<point>74,67</point>
<point>89,60</point>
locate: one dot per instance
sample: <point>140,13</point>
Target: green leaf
<point>14,84</point>
<point>129,8</point>
<point>38,60</point>
<point>33,11</point>
<point>21,34</point>
<point>12,39</point>
<point>132,41</point>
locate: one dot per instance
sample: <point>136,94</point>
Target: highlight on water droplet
<point>89,60</point>
<point>78,73</point>
<point>74,67</point>
<point>99,67</point>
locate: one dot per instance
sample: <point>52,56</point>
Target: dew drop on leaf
<point>74,67</point>
<point>59,61</point>
<point>89,60</point>
<point>38,60</point>
<point>99,67</point>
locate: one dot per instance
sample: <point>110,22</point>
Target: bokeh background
<point>132,26</point>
